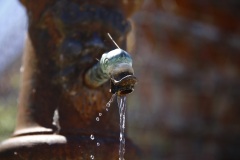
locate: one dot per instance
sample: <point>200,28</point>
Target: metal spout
<point>115,65</point>
<point>123,86</point>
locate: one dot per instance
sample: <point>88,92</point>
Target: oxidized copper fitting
<point>115,66</point>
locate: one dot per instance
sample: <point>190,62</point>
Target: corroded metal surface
<point>58,147</point>
<point>65,38</point>
<point>115,65</point>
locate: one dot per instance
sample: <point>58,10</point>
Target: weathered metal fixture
<point>64,39</point>
<point>115,65</point>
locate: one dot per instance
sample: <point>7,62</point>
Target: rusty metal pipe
<point>115,65</point>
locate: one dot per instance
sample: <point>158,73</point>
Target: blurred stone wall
<point>187,59</point>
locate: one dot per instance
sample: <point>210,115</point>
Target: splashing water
<point>122,112</point>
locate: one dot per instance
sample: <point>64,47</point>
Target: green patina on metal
<point>115,65</point>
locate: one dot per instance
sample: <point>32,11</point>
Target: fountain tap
<point>115,65</point>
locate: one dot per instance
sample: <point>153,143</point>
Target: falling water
<point>98,119</point>
<point>110,101</point>
<point>122,112</point>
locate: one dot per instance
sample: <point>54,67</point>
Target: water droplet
<point>97,118</point>
<point>98,144</point>
<point>100,114</point>
<point>92,137</point>
<point>110,101</point>
<point>92,157</point>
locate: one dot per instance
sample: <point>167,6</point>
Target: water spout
<point>115,65</point>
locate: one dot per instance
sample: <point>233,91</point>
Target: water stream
<point>122,112</point>
<point>121,100</point>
